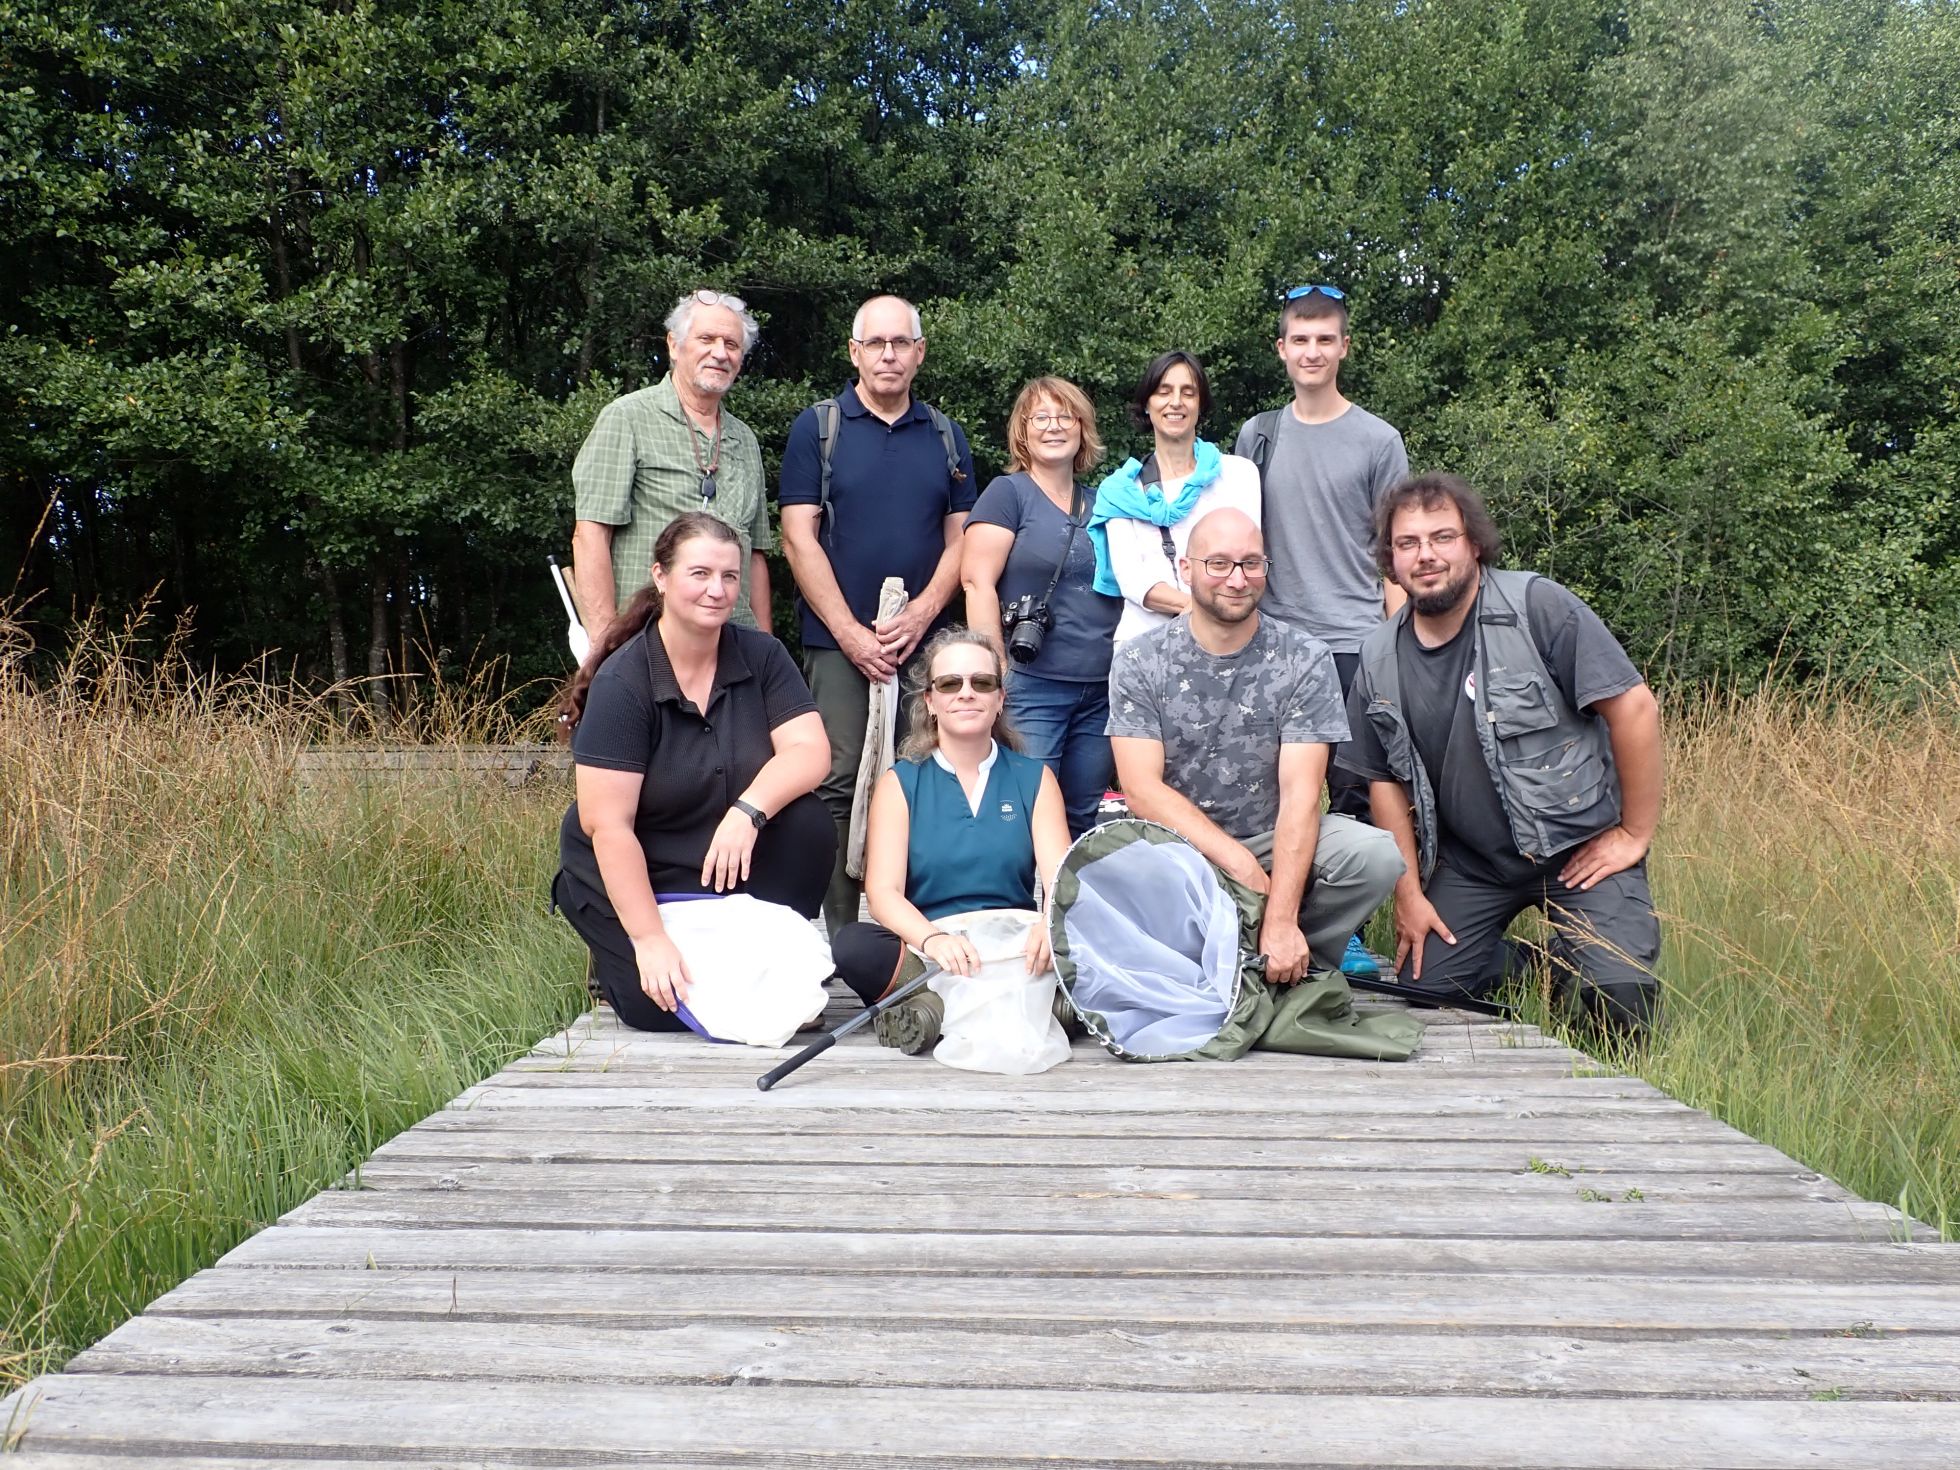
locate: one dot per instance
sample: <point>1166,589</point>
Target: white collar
<point>980,786</point>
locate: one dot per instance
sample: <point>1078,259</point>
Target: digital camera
<point>1026,622</point>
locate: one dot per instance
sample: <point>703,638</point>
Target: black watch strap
<point>754,813</point>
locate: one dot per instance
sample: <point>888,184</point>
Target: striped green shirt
<point>636,471</point>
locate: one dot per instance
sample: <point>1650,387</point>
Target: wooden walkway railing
<point>618,1252</point>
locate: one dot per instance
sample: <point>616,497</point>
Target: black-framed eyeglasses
<point>707,487</point>
<point>953,683</point>
<point>879,346</point>
<point>1332,293</point>
<point>1254,567</point>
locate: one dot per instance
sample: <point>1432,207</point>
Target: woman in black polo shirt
<point>696,748</point>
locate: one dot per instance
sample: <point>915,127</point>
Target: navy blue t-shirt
<point>890,495</point>
<point>1078,645</point>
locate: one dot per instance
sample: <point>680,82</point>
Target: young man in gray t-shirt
<point>1324,464</point>
<point>1222,723</point>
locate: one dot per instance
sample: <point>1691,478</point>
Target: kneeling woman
<point>963,821</point>
<point>696,748</point>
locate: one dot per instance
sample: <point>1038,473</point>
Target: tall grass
<point>1808,877</point>
<point>221,987</point>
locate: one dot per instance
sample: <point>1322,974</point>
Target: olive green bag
<point>1158,951</point>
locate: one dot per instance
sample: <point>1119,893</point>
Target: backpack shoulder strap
<point>828,414</point>
<point>954,474</point>
<point>1265,429</point>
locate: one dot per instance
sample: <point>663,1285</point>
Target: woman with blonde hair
<point>1029,570</point>
<point>963,821</point>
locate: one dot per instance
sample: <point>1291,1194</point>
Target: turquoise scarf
<point>1123,496</point>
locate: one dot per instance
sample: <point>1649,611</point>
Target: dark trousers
<point>790,865</point>
<point>1347,793</point>
<point>1605,940</point>
<point>843,697</point>
<point>871,959</point>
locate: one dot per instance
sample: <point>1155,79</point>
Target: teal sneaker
<point>1359,961</point>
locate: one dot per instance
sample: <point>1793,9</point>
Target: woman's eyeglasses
<point>953,683</point>
<point>1042,418</point>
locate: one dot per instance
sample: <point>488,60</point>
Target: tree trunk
<point>377,658</point>
<point>343,672</point>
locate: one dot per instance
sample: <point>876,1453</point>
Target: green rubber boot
<point>913,1024</point>
<point>1071,1023</point>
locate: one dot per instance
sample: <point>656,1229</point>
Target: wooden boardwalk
<point>618,1252</point>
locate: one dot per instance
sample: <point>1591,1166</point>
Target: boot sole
<point>906,1029</point>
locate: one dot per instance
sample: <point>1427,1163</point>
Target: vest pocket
<point>1554,766</point>
<point>1568,779</point>
<point>1526,720</point>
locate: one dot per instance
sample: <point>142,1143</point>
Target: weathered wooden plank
<point>357,1246</point>
<point>1365,1295</point>
<point>1076,1179</point>
<point>1104,1212</point>
<point>1439,1026</point>
<point>860,1048</point>
<point>1065,1082</point>
<point>598,1094</point>
<point>982,1355</point>
<point>1523,1127</point>
<point>197,1415</point>
<point>1092,1087</point>
<point>856,1055</point>
<point>732,1153</point>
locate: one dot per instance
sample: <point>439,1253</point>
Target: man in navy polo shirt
<point>896,508</point>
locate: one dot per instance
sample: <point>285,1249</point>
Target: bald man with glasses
<point>875,485</point>
<point>1223,722</point>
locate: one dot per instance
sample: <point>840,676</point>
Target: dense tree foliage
<point>308,304</point>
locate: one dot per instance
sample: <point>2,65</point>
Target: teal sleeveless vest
<point>958,861</point>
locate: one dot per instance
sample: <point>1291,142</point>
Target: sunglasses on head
<point>952,683</point>
<point>1332,293</point>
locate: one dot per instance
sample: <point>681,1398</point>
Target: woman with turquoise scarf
<point>1144,512</point>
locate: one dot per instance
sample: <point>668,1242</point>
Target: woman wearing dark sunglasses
<point>963,821</point>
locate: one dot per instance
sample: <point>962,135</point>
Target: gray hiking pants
<point>1354,871</point>
<point>1606,938</point>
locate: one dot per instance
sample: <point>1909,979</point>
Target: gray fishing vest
<point>1551,764</point>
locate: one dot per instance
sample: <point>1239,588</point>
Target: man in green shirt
<point>667,449</point>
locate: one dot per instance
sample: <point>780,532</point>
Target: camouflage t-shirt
<point>1223,718</point>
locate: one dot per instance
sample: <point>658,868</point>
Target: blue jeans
<point>1065,725</point>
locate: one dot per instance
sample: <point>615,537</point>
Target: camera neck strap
<point>1074,525</point>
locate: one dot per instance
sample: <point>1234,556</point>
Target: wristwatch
<point>754,813</point>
